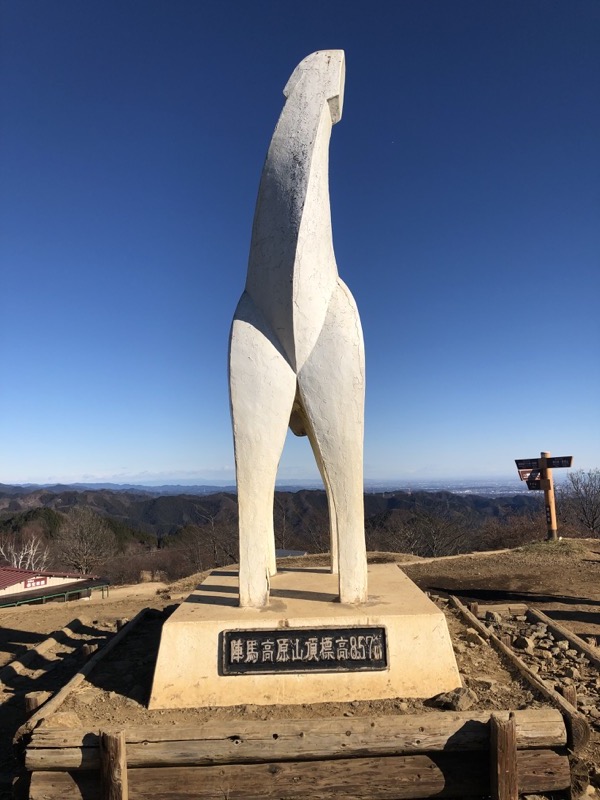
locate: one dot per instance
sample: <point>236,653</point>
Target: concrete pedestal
<point>419,660</point>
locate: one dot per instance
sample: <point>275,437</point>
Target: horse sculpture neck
<point>292,269</point>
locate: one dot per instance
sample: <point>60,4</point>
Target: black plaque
<point>534,485</point>
<point>559,461</point>
<point>527,463</point>
<point>245,652</point>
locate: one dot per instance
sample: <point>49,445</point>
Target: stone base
<point>189,673</point>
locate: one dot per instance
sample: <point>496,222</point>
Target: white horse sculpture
<point>296,351</point>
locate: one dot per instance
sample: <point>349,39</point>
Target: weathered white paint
<point>296,349</point>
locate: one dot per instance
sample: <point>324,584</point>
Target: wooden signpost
<point>538,474</point>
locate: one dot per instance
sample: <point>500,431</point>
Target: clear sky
<point>465,191</point>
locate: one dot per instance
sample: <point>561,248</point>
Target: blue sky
<point>465,191</point>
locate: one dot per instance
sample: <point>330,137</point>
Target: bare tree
<point>219,530</point>
<point>85,541</point>
<point>25,550</point>
<point>580,499</point>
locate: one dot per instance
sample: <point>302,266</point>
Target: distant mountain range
<point>154,511</point>
<point>489,487</point>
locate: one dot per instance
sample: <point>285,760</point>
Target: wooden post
<point>548,487</point>
<point>88,649</point>
<point>570,694</point>
<point>503,758</point>
<point>34,700</point>
<point>120,623</point>
<point>113,766</point>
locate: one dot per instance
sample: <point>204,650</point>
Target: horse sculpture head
<point>323,72</point>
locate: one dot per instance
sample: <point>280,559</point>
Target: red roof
<point>10,576</point>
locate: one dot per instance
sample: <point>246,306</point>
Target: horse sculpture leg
<point>262,388</point>
<point>331,388</point>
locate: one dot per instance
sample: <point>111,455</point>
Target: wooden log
<point>88,649</point>
<point>474,608</point>
<point>506,639</point>
<point>59,698</point>
<point>34,700</point>
<point>389,778</point>
<point>591,653</point>
<point>503,758</point>
<point>578,728</point>
<point>120,623</point>
<point>294,740</point>
<point>113,766</point>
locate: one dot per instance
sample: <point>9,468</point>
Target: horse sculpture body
<point>296,351</point>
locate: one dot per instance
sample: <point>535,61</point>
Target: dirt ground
<point>560,577</point>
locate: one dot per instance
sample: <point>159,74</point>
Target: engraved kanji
<point>237,650</point>
<point>297,650</point>
<point>251,651</point>
<point>283,650</point>
<point>327,652</point>
<point>312,649</point>
<point>268,650</point>
<point>342,651</point>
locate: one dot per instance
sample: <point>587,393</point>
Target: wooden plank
<point>113,766</point>
<point>50,707</point>
<point>578,729</point>
<point>294,740</point>
<point>389,778</point>
<point>503,758</point>
<point>591,653</point>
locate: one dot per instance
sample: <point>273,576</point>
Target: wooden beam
<point>59,698</point>
<point>591,653</point>
<point>113,766</point>
<point>577,726</point>
<point>390,778</point>
<point>295,740</point>
<point>503,758</point>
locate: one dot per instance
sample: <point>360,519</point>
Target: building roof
<point>10,576</point>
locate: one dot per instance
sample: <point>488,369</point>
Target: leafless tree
<point>84,541</point>
<point>579,500</point>
<point>25,550</point>
<point>219,531</point>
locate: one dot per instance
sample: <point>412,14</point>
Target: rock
<point>484,682</point>
<point>572,672</point>
<point>493,616</point>
<point>524,643</point>
<point>458,700</point>
<point>563,645</point>
<point>545,655</point>
<point>473,637</point>
<point>460,647</point>
<point>572,653</point>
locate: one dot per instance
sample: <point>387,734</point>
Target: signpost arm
<point>548,487</point>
